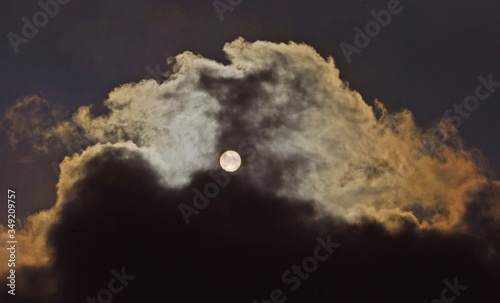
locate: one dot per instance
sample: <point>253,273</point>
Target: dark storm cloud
<point>119,215</point>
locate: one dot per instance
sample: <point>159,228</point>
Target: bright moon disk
<point>230,161</point>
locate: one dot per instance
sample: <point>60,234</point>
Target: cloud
<point>322,139</point>
<point>30,118</point>
<point>317,160</point>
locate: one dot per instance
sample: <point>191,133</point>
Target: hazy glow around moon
<point>230,161</point>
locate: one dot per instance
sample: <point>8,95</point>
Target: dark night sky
<point>427,59</point>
